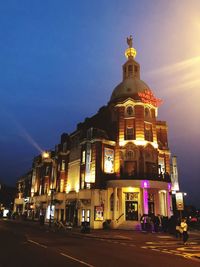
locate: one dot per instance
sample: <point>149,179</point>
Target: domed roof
<point>129,88</point>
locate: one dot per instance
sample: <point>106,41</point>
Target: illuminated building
<point>115,166</point>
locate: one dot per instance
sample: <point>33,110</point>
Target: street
<point>28,244</point>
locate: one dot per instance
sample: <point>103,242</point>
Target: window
<point>147,113</point>
<point>111,202</point>
<point>129,111</point>
<point>63,165</point>
<point>130,155</point>
<point>88,185</point>
<point>148,134</point>
<point>135,68</point>
<point>151,168</point>
<point>129,133</point>
<point>61,185</point>
<point>85,215</point>
<point>130,167</point>
<point>130,69</point>
<point>45,188</point>
<point>83,157</point>
<point>82,181</point>
<point>47,172</point>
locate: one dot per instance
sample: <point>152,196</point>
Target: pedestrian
<point>156,223</point>
<point>142,222</point>
<point>184,227</point>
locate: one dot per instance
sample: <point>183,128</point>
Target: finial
<point>130,52</point>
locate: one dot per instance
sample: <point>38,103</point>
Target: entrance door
<point>131,210</point>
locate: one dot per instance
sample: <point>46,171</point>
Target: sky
<point>60,61</point>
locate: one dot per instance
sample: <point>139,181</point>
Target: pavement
<point>112,234</point>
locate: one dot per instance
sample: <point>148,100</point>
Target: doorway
<point>131,210</point>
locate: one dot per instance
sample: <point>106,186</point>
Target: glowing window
<point>63,165</point>
<point>83,157</point>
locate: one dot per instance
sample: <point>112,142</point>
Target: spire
<point>131,69</point>
<point>130,52</point>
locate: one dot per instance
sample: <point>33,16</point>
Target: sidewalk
<point>112,234</point>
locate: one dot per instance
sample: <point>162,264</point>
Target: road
<point>30,245</point>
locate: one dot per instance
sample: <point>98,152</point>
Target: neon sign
<point>148,97</point>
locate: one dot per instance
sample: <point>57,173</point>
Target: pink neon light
<point>169,187</point>
<point>145,201</point>
<point>145,184</point>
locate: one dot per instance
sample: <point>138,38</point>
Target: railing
<point>165,177</point>
<point>117,220</point>
<point>146,176</point>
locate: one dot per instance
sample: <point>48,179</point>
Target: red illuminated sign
<point>149,98</point>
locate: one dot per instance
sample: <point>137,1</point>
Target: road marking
<point>36,243</point>
<point>72,258</point>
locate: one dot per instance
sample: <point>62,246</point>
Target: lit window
<point>83,216</point>
<point>63,165</point>
<point>88,185</point>
<point>83,157</point>
<point>82,180</point>
<point>61,185</point>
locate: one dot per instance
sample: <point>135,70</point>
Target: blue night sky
<point>60,61</point>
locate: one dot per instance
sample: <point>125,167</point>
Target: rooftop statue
<point>130,41</point>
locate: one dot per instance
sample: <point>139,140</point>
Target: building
<point>7,195</point>
<point>115,166</point>
<point>23,192</point>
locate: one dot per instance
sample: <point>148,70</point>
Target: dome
<point>129,88</point>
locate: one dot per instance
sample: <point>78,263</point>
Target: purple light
<point>145,201</point>
<point>145,184</point>
<point>169,187</point>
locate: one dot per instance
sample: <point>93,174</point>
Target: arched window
<point>130,111</point>
<point>130,155</point>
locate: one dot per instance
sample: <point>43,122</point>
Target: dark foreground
<point>26,244</point>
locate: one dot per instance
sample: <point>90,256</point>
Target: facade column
<point>169,204</point>
<point>115,204</point>
<point>163,202</point>
<point>145,201</point>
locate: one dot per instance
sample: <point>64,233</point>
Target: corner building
<point>115,166</point>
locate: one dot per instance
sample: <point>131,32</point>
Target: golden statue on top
<point>130,41</point>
